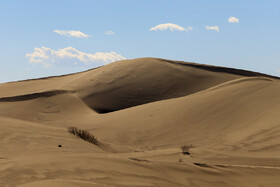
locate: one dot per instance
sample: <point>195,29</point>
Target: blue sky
<point>45,38</point>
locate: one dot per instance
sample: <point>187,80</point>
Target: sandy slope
<point>142,110</point>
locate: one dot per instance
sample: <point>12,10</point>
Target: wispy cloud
<point>69,55</point>
<point>233,20</point>
<point>76,34</point>
<point>170,26</point>
<point>109,32</point>
<point>215,28</point>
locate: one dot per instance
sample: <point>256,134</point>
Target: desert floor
<point>142,111</point>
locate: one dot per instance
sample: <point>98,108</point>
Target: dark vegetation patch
<point>186,149</point>
<point>83,134</point>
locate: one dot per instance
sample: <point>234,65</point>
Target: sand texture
<point>142,111</point>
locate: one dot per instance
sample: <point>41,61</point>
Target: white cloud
<point>76,34</point>
<point>170,26</point>
<point>216,28</point>
<point>233,20</point>
<point>109,32</point>
<point>69,55</point>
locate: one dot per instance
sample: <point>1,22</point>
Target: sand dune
<point>142,110</point>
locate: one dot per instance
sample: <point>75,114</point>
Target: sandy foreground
<point>142,111</point>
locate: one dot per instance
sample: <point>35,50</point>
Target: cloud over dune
<point>170,26</point>
<point>69,55</point>
<point>75,34</point>
<point>109,32</point>
<point>233,20</point>
<point>215,28</point>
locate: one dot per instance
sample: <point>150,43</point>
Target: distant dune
<point>142,111</point>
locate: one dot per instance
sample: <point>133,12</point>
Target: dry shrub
<point>186,149</point>
<point>83,134</point>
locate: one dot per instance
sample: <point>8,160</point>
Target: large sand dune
<point>142,111</point>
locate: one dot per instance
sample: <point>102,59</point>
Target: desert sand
<point>142,111</point>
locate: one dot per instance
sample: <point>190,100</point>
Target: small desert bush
<point>186,149</point>
<point>83,134</point>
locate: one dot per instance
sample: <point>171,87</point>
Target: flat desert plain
<point>141,112</point>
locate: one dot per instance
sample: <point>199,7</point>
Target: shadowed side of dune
<point>33,96</point>
<point>235,71</point>
<point>241,114</point>
<point>130,83</point>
